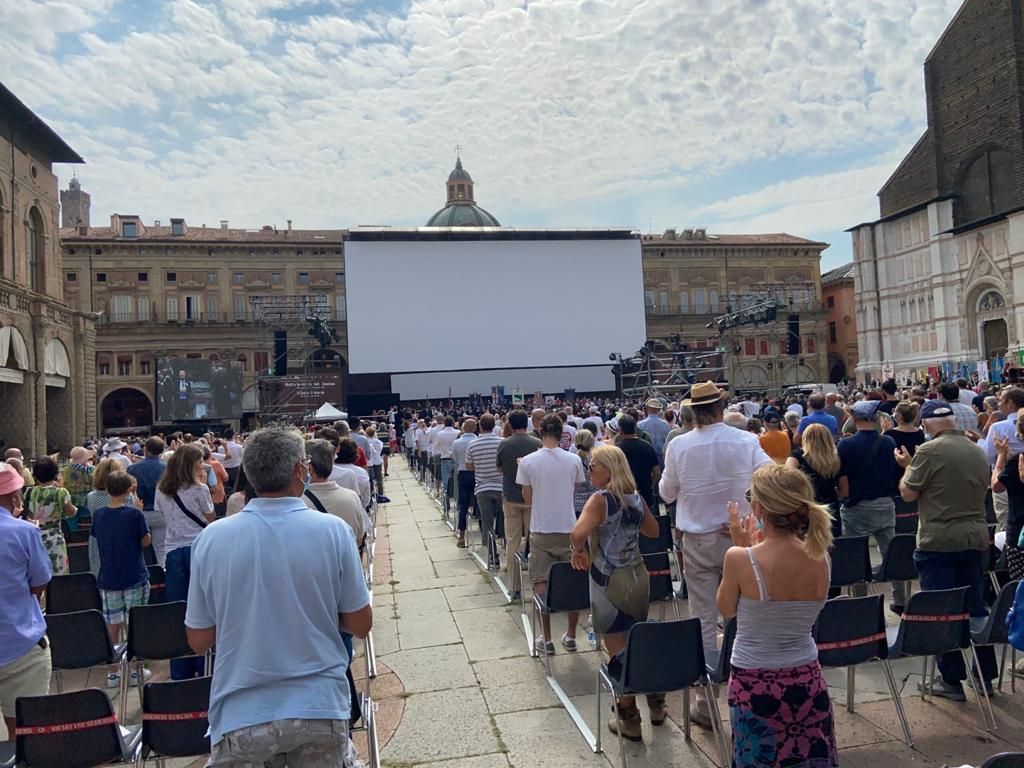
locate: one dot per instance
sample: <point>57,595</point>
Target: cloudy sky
<point>735,115</point>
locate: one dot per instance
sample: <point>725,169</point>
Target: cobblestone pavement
<point>471,697</point>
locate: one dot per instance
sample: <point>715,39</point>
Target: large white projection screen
<point>471,305</point>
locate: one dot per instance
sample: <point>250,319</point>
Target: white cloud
<point>337,118</point>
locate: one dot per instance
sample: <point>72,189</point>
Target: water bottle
<point>591,637</point>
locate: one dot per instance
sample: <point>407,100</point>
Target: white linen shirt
<point>354,478</point>
<point>446,437</point>
<point>707,468</point>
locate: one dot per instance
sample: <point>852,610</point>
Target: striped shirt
<point>482,453</point>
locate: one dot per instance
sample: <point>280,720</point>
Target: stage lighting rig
<point>322,332</point>
<point>764,312</point>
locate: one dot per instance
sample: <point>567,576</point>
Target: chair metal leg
<point>686,713</point>
<point>900,712</point>
<point>717,727</point>
<point>925,688</point>
<point>1002,668</point>
<point>531,639</point>
<point>995,581</point>
<point>1013,666</point>
<point>618,730</point>
<point>597,722</point>
<point>851,687</point>
<point>979,687</point>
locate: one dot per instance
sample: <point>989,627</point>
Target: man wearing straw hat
<point>705,469</point>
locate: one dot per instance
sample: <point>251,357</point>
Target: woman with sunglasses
<point>775,581</point>
<point>613,519</point>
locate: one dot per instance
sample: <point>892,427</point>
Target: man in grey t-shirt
<point>516,510</point>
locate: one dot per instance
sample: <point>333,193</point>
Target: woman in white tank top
<point>775,581</point>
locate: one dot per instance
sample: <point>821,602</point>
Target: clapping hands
<point>743,531</point>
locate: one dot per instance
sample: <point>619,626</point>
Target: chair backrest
<point>78,640</point>
<point>851,630</point>
<point>934,622</point>
<point>158,632</point>
<point>662,542</point>
<point>157,584</point>
<point>67,730</point>
<point>78,557</point>
<point>77,592</point>
<point>568,589</point>
<point>996,629</point>
<point>1005,760</point>
<point>723,663</point>
<point>149,555</point>
<point>662,656</point>
<point>174,717</point>
<point>898,563</point>
<point>906,516</point>
<point>851,561</point>
<point>659,571</point>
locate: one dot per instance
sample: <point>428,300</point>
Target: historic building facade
<point>179,290</point>
<point>691,277</point>
<point>46,348</point>
<point>938,276</point>
<point>837,292</point>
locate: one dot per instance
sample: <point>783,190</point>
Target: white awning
<point>11,341</point>
<point>57,362</point>
<point>328,412</point>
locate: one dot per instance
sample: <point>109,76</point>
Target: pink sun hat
<point>10,479</point>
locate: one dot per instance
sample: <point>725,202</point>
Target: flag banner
<point>982,370</point>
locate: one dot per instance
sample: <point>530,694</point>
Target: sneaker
<point>569,643</point>
<point>944,690</point>
<point>383,500</point>
<point>699,714</point>
<point>1018,668</point>
<point>544,647</point>
<point>114,680</point>
<point>897,609</point>
<point>517,595</point>
<point>134,677</point>
<point>681,593</point>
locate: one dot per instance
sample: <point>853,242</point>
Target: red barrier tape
<point>922,617</point>
<point>851,643</point>
<point>45,730</point>
<point>170,717</point>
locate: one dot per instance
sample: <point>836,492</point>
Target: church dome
<point>461,210</point>
<point>460,214</point>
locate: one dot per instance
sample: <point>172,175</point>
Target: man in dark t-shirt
<point>514,508</point>
<point>867,484</point>
<point>642,458</point>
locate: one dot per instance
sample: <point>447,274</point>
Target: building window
<point>303,278</point>
<point>832,337</point>
<point>714,300</point>
<point>71,277</point>
<point>275,278</point>
<point>339,278</point>
<point>340,309</point>
<point>101,277</point>
<point>177,227</point>
<point>129,229</point>
<point>750,347</point>
<point>144,313</point>
<point>124,366</point>
<point>121,309</point>
<point>192,308</point>
<point>144,369</point>
<point>830,302</point>
<point>172,309</point>
<point>211,307</point>
<point>239,304</point>
<point>262,361</point>
<point>649,302</point>
<point>699,301</point>
<point>684,302</point>
<point>211,278</point>
<point>172,277</point>
<point>36,250</point>
<point>103,368</point>
<point>809,345</point>
<point>764,347</point>
<point>143,277</point>
<point>238,278</point>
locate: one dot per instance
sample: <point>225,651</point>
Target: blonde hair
<point>584,439</point>
<point>820,450</point>
<point>621,483</point>
<point>104,468</point>
<point>788,501</point>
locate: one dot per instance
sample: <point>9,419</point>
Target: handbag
<point>1014,558</point>
<point>188,513</point>
<point>1015,619</point>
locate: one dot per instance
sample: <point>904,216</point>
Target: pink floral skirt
<point>781,717</point>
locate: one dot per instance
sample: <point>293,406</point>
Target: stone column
<point>39,326</point>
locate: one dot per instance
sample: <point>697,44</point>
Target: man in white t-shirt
<point>443,442</point>
<point>346,474</point>
<point>549,477</point>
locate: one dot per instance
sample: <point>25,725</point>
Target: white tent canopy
<point>328,412</point>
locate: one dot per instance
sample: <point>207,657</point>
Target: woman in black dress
<point>819,460</point>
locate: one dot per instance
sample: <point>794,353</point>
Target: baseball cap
<point>866,410</point>
<point>935,409</point>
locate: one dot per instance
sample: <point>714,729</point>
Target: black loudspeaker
<point>793,335</point>
<point>280,353</point>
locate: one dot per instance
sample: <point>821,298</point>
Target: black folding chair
<point>77,592</point>
<point>851,631</point>
<point>79,640</point>
<point>174,719</point>
<point>157,585</point>
<point>72,730</point>
<point>149,555</point>
<point>78,556</point>
<point>851,562</point>
<point>995,632</point>
<point>155,633</point>
<point>1005,760</point>
<point>935,622</point>
<point>658,555</point>
<point>719,664</point>
<point>906,516</point>
<point>898,563</point>
<point>659,657</point>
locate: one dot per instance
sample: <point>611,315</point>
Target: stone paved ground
<point>467,695</point>
<point>456,689</point>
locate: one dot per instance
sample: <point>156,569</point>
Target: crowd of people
<point>756,491</point>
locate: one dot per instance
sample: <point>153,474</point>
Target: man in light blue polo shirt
<point>24,574</point>
<point>273,587</point>
<point>816,407</point>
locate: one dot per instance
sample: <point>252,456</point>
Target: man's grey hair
<point>321,457</point>
<point>939,424</point>
<point>686,415</point>
<point>792,418</point>
<point>736,419</point>
<point>344,430</point>
<point>270,458</point>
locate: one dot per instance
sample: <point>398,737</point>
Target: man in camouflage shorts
<point>292,743</point>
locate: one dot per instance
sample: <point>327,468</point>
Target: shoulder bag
<point>188,513</point>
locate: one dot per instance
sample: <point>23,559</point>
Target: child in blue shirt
<point>121,534</point>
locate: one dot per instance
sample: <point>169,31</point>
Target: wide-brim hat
<point>114,444</point>
<point>80,453</point>
<point>704,393</point>
<point>10,479</point>
<point>654,403</point>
